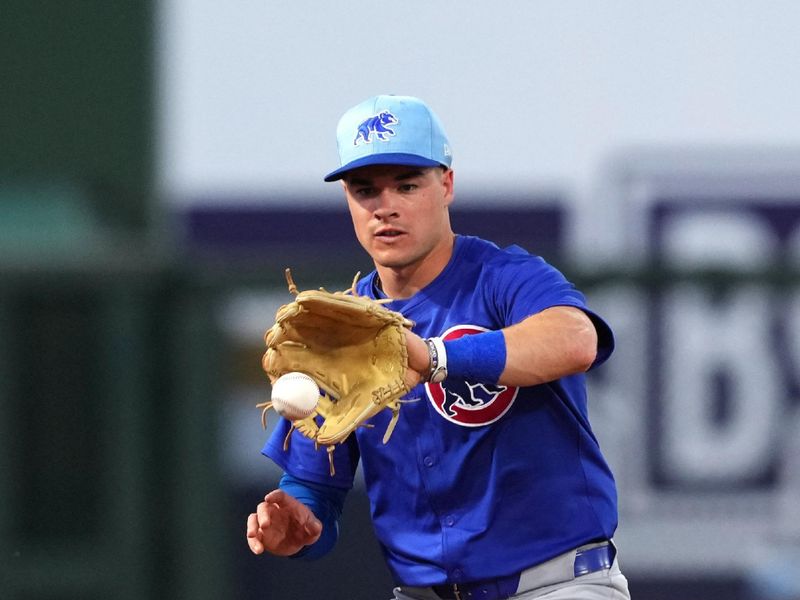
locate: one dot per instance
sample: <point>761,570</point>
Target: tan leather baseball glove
<point>355,350</point>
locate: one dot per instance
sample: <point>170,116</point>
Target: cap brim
<point>411,160</point>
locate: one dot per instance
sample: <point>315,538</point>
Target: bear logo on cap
<point>378,125</point>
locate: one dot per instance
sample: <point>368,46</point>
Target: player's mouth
<point>388,234</point>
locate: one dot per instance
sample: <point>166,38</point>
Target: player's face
<point>400,214</point>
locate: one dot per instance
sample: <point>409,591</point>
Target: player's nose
<point>385,204</point>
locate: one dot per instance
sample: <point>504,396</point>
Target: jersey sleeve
<point>605,338</point>
<point>526,285</point>
<point>303,461</point>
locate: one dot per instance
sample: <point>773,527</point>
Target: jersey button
<point>457,574</point>
<point>428,461</point>
<point>449,520</point>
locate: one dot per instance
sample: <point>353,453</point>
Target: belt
<point>586,561</point>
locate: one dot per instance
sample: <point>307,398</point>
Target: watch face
<point>439,375</point>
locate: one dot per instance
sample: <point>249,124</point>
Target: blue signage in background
<point>724,377</point>
<point>700,408</point>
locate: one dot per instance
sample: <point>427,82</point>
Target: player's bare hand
<point>281,525</point>
<point>418,359</point>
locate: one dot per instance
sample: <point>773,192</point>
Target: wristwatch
<point>437,372</point>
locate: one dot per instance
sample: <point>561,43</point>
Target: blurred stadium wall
<point>161,164</point>
<point>108,484</point>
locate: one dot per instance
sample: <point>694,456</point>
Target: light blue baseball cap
<point>390,130</point>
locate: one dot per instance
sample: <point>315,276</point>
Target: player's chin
<point>391,260</point>
<point>390,255</point>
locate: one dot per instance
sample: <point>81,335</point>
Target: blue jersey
<point>477,481</point>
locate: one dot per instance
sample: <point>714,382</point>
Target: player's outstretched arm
<point>556,342</point>
<point>281,525</point>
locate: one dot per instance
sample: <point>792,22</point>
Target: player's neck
<point>403,282</point>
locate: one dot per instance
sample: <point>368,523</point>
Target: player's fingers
<point>277,497</point>
<point>291,513</point>
<point>279,520</point>
<point>293,509</point>
<point>252,525</point>
<point>287,505</point>
<point>263,515</point>
<point>313,528</point>
<point>253,535</point>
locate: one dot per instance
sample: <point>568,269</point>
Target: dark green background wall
<point>76,107</point>
<point>107,425</point>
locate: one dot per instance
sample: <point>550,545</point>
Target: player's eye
<point>408,187</point>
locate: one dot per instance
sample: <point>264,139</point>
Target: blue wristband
<point>480,358</point>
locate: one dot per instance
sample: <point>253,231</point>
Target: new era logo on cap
<point>393,130</point>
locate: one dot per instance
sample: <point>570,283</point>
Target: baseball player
<point>493,484</point>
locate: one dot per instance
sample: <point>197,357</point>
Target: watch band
<point>438,360</point>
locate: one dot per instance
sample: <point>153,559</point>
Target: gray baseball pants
<point>538,582</point>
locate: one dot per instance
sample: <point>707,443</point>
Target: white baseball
<point>294,395</point>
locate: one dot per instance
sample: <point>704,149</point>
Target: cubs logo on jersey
<point>465,403</point>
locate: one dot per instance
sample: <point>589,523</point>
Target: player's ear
<point>447,181</point>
